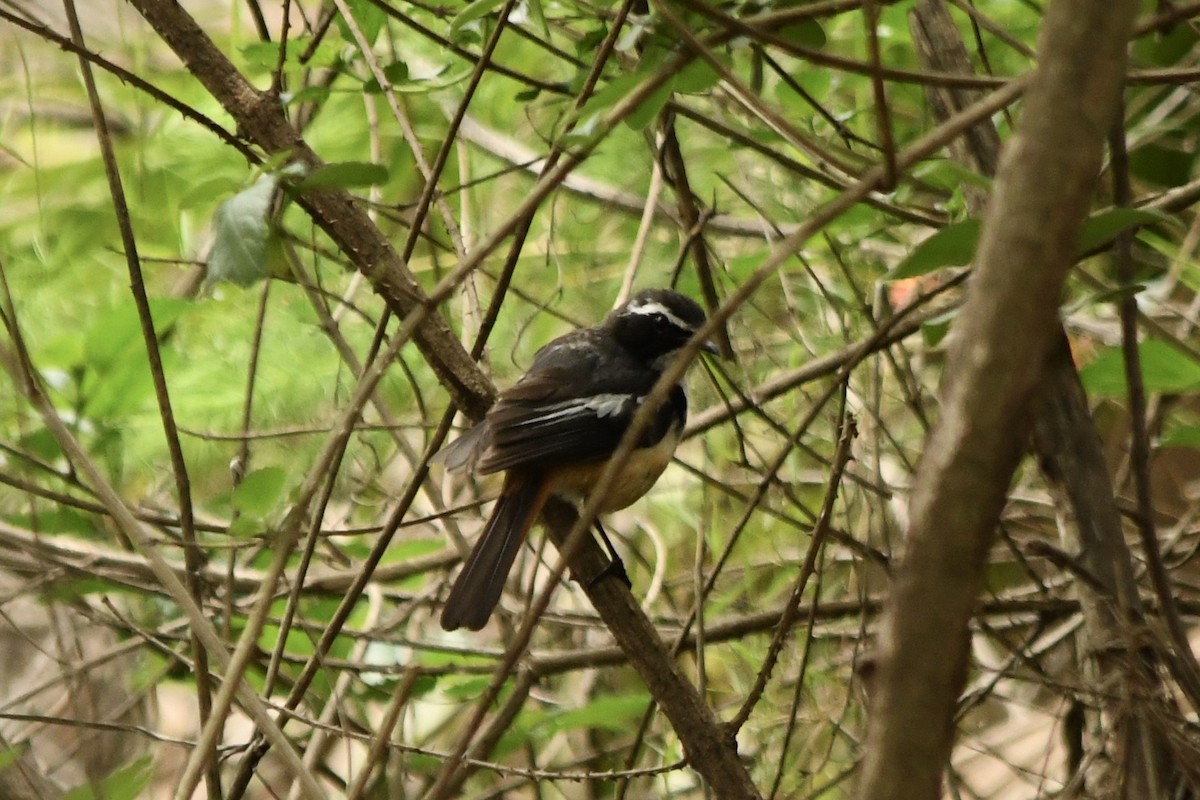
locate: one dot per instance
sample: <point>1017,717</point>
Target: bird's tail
<point>477,588</point>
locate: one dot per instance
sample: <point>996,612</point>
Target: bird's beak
<point>711,347</point>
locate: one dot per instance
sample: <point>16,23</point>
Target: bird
<point>553,432</point>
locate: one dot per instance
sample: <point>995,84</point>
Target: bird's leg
<point>616,567</point>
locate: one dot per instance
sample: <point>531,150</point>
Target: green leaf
<point>817,82</point>
<point>696,78</point>
<point>40,442</point>
<point>538,15</point>
<point>592,114</point>
<point>590,40</point>
<point>422,764</point>
<point>117,380</point>
<point>57,519</point>
<point>11,754</point>
<point>473,11</point>
<point>442,80</point>
<point>126,783</point>
<point>396,72</point>
<point>265,55</point>
<point>314,94</point>
<point>1004,575</point>
<point>244,527</point>
<point>367,16</point>
<point>1165,49</point>
<point>260,491</point>
<point>148,670</point>
<point>1161,164</point>
<point>740,268</point>
<point>1186,436</point>
<point>345,175</point>
<point>412,548</point>
<point>647,111</point>
<point>1102,228</point>
<point>604,98</point>
<point>952,246</point>
<point>239,253</point>
<point>201,193</point>
<point>298,642</point>
<point>116,334</point>
<point>125,388</point>
<point>612,712</point>
<point>804,33</point>
<point>75,588</point>
<point>935,330</point>
<point>955,244</point>
<point>949,175</point>
<point>63,351</point>
<point>439,79</point>
<point>1164,369</point>
<point>468,688</point>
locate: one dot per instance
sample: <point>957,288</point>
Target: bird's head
<point>654,323</point>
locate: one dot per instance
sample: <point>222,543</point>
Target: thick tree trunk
<point>1002,338</point>
<point>1068,451</point>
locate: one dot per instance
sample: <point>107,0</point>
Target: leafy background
<point>260,375</point>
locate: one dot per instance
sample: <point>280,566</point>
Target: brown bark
<point>1002,338</point>
<point>1067,447</point>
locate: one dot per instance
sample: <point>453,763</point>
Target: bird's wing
<point>575,429</point>
<point>573,404</point>
<point>463,452</point>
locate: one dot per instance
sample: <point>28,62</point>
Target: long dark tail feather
<point>476,590</point>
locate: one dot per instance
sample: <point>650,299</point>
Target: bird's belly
<point>641,470</point>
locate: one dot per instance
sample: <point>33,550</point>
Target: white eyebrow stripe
<point>654,307</point>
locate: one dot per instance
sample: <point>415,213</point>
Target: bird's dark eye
<point>665,324</point>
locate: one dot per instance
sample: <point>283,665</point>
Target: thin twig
<point>791,611</point>
<point>1185,666</point>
